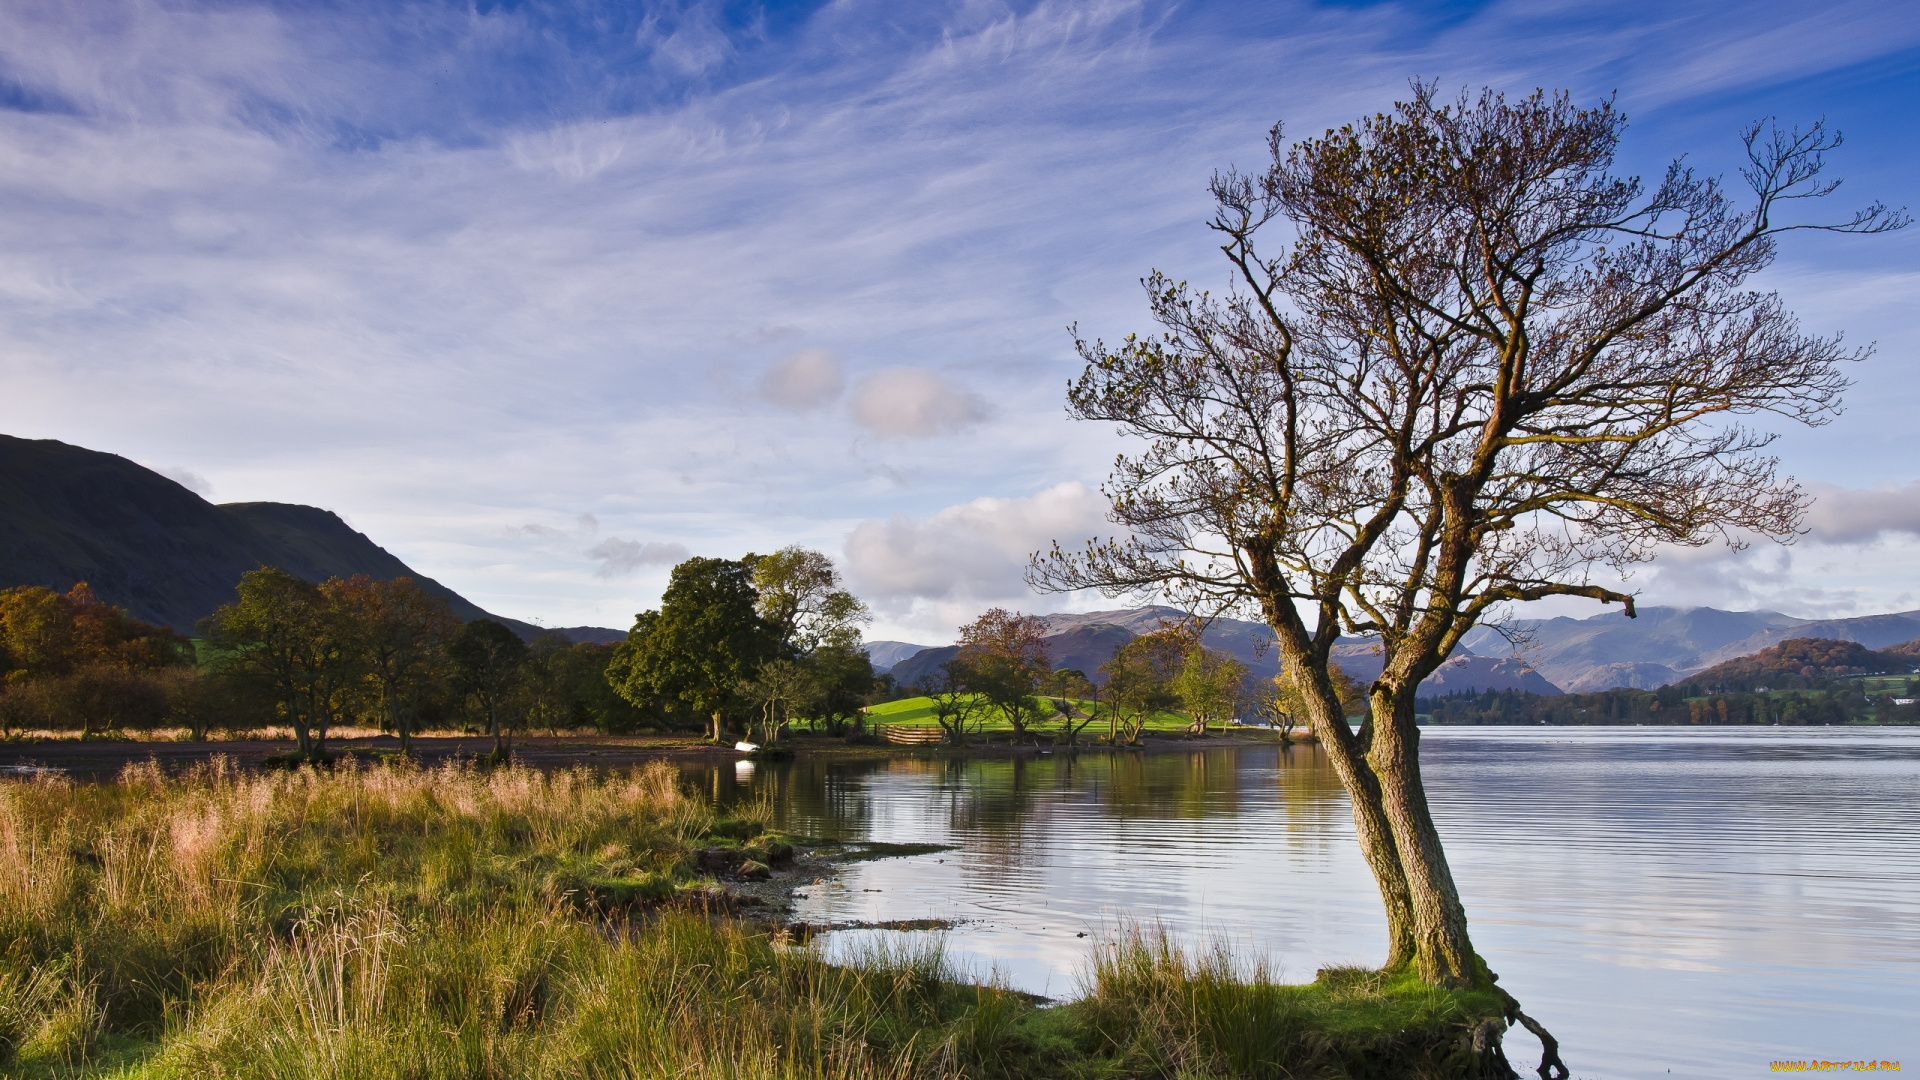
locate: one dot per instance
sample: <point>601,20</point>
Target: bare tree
<point>1482,365</point>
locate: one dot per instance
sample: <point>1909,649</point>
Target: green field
<point>918,712</point>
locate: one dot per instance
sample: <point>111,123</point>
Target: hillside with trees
<point>1799,681</point>
<point>1801,663</point>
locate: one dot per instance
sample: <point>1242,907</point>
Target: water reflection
<point>1700,902</point>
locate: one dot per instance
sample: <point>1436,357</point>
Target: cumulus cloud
<point>802,380</point>
<point>914,402</point>
<point>618,557</point>
<point>976,550</point>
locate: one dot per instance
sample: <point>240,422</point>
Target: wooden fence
<point>910,736</point>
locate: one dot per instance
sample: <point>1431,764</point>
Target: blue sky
<point>544,296</point>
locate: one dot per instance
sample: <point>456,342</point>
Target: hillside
<point>68,514</point>
<point>1801,662</point>
<point>1666,645</point>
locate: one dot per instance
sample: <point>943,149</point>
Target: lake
<point>1685,902</point>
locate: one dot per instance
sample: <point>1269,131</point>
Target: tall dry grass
<point>400,922</point>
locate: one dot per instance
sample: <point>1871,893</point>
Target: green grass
<point>918,712</point>
<point>397,922</point>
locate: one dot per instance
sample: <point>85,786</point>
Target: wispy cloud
<point>448,267</point>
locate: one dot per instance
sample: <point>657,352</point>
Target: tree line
<point>1003,672</point>
<point>310,656</point>
<point>1840,701</point>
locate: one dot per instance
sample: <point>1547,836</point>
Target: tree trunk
<point>298,722</point>
<point>396,720</point>
<point>320,719</point>
<point>719,727</point>
<point>1443,952</point>
<point>1377,843</point>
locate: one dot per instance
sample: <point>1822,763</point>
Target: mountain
<point>1665,645</point>
<point>1087,640</point>
<point>68,514</point>
<point>885,654</point>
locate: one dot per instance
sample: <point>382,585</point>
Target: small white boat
<point>746,747</point>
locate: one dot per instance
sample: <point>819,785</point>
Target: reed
<point>403,922</point>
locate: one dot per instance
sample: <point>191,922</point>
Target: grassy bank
<point>919,712</point>
<point>426,923</point>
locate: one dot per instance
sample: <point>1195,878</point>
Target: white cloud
<point>186,478</point>
<point>915,403</point>
<point>937,571</point>
<point>802,380</point>
<point>1841,515</point>
<point>334,264</point>
<point>618,557</point>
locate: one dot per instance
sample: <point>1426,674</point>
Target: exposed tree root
<point>1551,1067</point>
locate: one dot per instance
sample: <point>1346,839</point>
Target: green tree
<point>489,662</point>
<point>1002,658</point>
<point>705,641</point>
<point>843,675</point>
<point>1140,681</point>
<point>801,598</point>
<point>400,633</point>
<point>1076,701</point>
<point>781,688</point>
<point>956,709</point>
<point>1208,685</point>
<point>285,633</point>
<point>1483,364</point>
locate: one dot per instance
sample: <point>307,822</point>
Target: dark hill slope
<point>68,514</point>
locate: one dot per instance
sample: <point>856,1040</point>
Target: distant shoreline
<point>104,758</point>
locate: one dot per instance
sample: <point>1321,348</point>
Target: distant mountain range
<point>1551,656</point>
<point>1087,640</point>
<point>1666,645</point>
<point>147,544</point>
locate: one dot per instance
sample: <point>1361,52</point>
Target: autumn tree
<point>1475,365</point>
<point>706,640</point>
<point>489,662</point>
<point>1003,656</point>
<point>46,634</point>
<point>400,633</point>
<point>1278,700</point>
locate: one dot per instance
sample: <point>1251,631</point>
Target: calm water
<point>1669,902</point>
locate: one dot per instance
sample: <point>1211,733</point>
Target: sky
<point>544,297</point>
